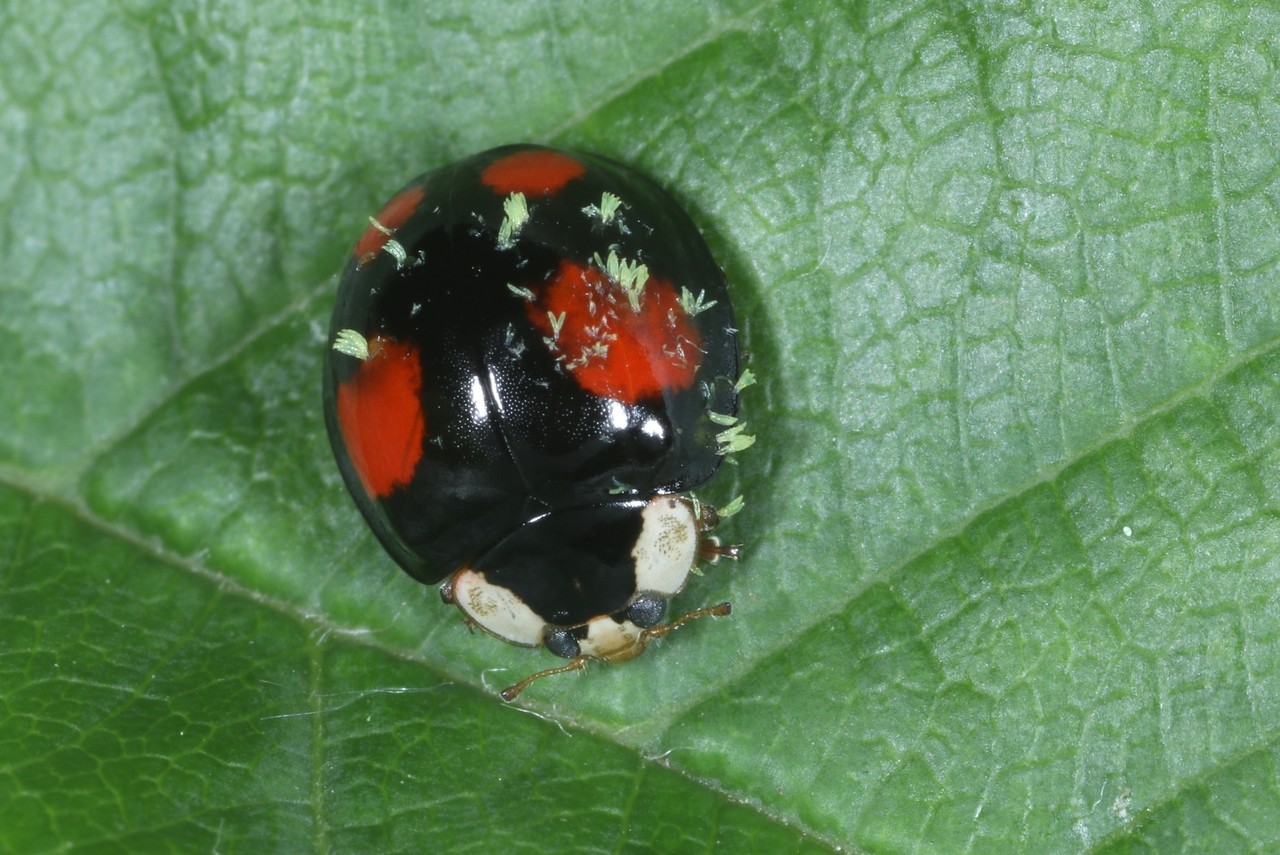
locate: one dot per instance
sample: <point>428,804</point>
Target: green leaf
<point>1010,281</point>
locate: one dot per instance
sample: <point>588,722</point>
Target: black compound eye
<point>645,610</point>
<point>562,643</point>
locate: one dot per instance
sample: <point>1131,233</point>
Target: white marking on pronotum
<point>497,609</point>
<point>667,546</point>
<point>516,213</point>
<point>351,343</point>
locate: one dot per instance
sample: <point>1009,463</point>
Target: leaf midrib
<point>319,625</point>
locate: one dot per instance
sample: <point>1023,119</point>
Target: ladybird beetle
<point>533,361</point>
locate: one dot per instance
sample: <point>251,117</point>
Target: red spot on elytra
<point>381,417</point>
<point>536,172</point>
<point>608,347</point>
<point>392,216</point>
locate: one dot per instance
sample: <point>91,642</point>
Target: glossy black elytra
<point>534,359</point>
